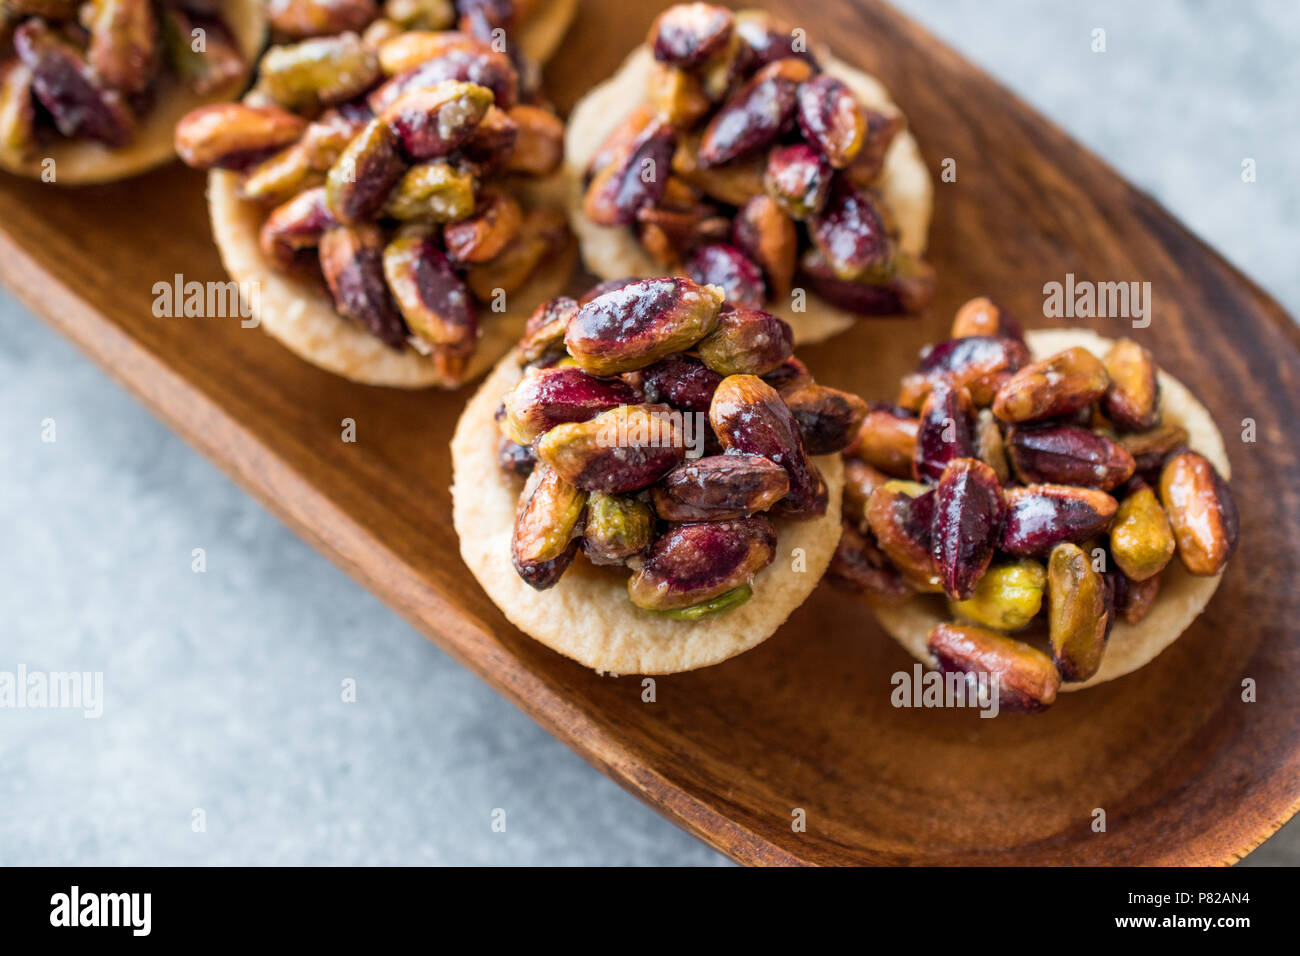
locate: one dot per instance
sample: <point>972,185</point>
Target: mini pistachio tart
<point>394,198</point>
<point>650,483</point>
<point>725,150</point>
<point>1050,507</point>
<point>90,92</point>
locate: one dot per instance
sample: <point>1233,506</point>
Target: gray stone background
<point>222,689</point>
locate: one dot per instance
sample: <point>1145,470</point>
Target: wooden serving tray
<point>1186,772</point>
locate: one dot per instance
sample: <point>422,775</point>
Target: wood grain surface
<point>1186,772</point>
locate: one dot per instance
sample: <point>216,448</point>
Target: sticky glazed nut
<point>1039,517</point>
<point>727,267</point>
<point>755,114</point>
<point>544,330</point>
<point>1027,681</point>
<point>318,71</point>
<point>983,317</point>
<point>640,323</point>
<point>687,34</point>
<point>720,487</point>
<point>831,119</point>
<point>850,231</point>
<point>547,527</point>
<point>798,179</point>
<point>859,565</point>
<point>900,515</point>
<point>764,233</point>
<point>1132,398</point>
<point>1201,511</point>
<point>1057,386</point>
<point>946,430</point>
<point>887,439</point>
<point>1078,616</point>
<point>545,398</point>
<point>351,259</point>
<point>431,122</point>
<point>296,225</point>
<point>635,178</point>
<point>621,450</point>
<point>1007,597</point>
<point>746,342</point>
<point>234,136</point>
<point>828,418</point>
<point>749,417</point>
<point>617,528</point>
<point>1150,449</point>
<point>430,295</point>
<point>681,381</point>
<point>309,18</point>
<point>1141,538</point>
<point>693,563</point>
<point>982,364</point>
<point>968,515</point>
<point>1068,455</point>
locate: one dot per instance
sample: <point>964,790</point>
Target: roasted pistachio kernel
<point>544,330</point>
<point>1150,449</point>
<point>852,233</point>
<point>946,430</point>
<point>313,18</point>
<point>1077,613</point>
<point>1201,512</point>
<point>77,99</point>
<point>1042,516</point>
<point>882,129</point>
<point>617,528</point>
<point>828,418</point>
<point>538,146</point>
<point>515,460</point>
<point>466,61</point>
<point>296,225</point>
<point>1132,400</point>
<point>633,179</point>
<point>755,114</point>
<point>123,43</point>
<point>900,514</point>
<point>431,296</point>
<point>1134,599</point>
<point>720,487</point>
<point>411,48</point>
<point>723,602</point>
<point>482,236</point>
<point>547,527</point>
<point>351,259</point>
<point>749,417</point>
<point>421,14</point>
<point>432,121</point>
<point>746,342</point>
<point>990,447</point>
<point>17,113</point>
<point>1007,597</point>
<point>621,450</point>
<point>1056,386</point>
<point>1027,681</point>
<point>1141,539</point>
<point>860,480</point>
<point>544,398</point>
<point>543,231</point>
<point>358,184</point>
<point>859,565</point>
<point>677,96</point>
<point>693,563</point>
<point>887,439</point>
<point>798,179</point>
<point>968,513</point>
<point>983,317</point>
<point>321,70</point>
<point>640,323</point>
<point>432,192</point>
<point>232,135</point>
<point>831,118</point>
<point>980,363</point>
<point>687,34</point>
<point>764,233</point>
<point>734,183</point>
<point>1068,455</point>
<point>725,266</point>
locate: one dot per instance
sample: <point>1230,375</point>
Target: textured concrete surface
<point>222,695</point>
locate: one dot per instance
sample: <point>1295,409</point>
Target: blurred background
<point>224,687</point>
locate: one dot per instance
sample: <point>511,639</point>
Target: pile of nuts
<point>771,167</point>
<point>389,156</point>
<point>616,388</point>
<point>995,479</point>
<point>91,70</point>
